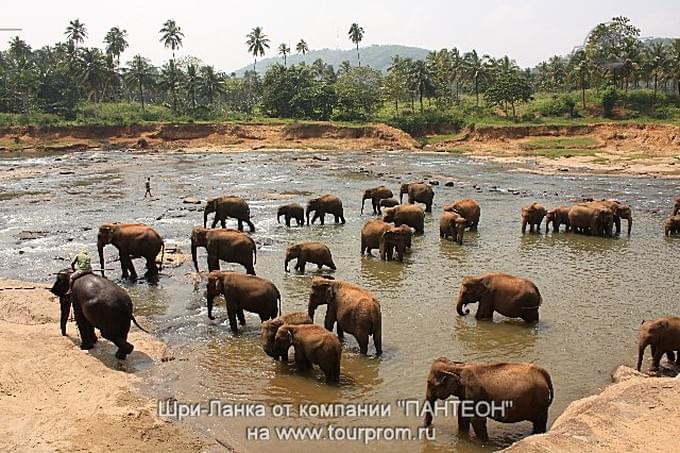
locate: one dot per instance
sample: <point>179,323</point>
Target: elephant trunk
<point>459,307</point>
<point>210,306</point>
<point>307,211</point>
<point>641,352</point>
<point>429,401</point>
<point>289,257</point>
<point>65,302</point>
<point>100,250</point>
<point>193,254</point>
<point>310,311</point>
<point>206,211</point>
<point>363,200</point>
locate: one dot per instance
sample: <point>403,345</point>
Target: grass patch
<point>557,143</point>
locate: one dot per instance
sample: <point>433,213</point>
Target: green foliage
<point>358,91</point>
<point>427,123</point>
<point>609,99</point>
<point>555,105</point>
<point>509,89</point>
<point>294,93</point>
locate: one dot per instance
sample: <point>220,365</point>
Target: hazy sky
<point>526,30</point>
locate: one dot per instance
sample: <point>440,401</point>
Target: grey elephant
<point>376,195</point>
<point>326,204</point>
<point>270,326</point>
<point>354,310</point>
<point>291,211</point>
<point>313,345</point>
<point>309,252</point>
<point>226,245</point>
<point>228,206</point>
<point>533,216</point>
<point>133,240</point>
<point>406,214</point>
<point>417,192</point>
<point>510,296</point>
<point>524,391</point>
<point>98,303</point>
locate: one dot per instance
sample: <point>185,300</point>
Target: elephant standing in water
<point>313,345</point>
<point>354,309</point>
<point>371,235</point>
<point>591,218</point>
<point>619,210</point>
<point>225,207</point>
<point>469,209</point>
<point>557,216</point>
<point>452,224</point>
<point>663,335</point>
<point>133,240</point>
<point>309,252</point>
<point>510,296</point>
<point>387,203</point>
<point>395,238</point>
<point>533,215</point>
<point>98,303</point>
<point>672,226</point>
<point>676,206</point>
<point>417,192</point>
<point>376,195</point>
<point>406,214</point>
<point>523,390</point>
<point>269,328</point>
<point>326,204</point>
<point>226,245</point>
<point>291,211</point>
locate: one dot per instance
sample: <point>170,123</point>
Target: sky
<point>529,31</point>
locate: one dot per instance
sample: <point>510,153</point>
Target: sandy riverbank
<point>55,397</point>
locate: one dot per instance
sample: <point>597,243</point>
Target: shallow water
<point>596,291</point>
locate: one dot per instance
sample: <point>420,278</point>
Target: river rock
<point>449,184</point>
<point>191,200</point>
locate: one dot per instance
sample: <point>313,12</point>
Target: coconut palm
<point>475,70</point>
<point>76,32</point>
<point>171,36</point>
<point>284,50</point>
<point>301,47</point>
<point>257,42</point>
<point>192,84</point>
<point>674,57</point>
<point>212,83</point>
<point>93,72</point>
<point>170,81</point>
<point>116,43</point>
<point>657,62</point>
<point>141,75</point>
<point>356,34</point>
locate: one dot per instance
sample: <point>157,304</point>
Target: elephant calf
<point>557,216</point>
<point>533,215</point>
<point>326,204</point>
<point>452,224</point>
<point>291,211</point>
<point>406,214</point>
<point>510,296</point>
<point>226,245</point>
<point>376,195</point>
<point>672,226</point>
<point>395,238</point>
<point>270,327</point>
<point>591,218</point>
<point>417,192</point>
<point>663,335</point>
<point>354,309</point>
<point>243,292</point>
<point>469,209</point>
<point>313,345</point>
<point>312,252</point>
<point>527,387</point>
<point>387,203</point>
<point>371,234</point>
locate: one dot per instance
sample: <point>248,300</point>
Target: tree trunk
<point>141,94</point>
<point>358,55</point>
<point>583,95</point>
<point>477,91</point>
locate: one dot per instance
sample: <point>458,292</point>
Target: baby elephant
<point>395,238</point>
<point>270,327</point>
<point>533,215</point>
<point>313,345</point>
<point>672,226</point>
<point>387,203</point>
<point>313,252</point>
<point>452,224</point>
<point>291,211</point>
<point>557,216</point>
<point>520,391</point>
<point>663,335</point>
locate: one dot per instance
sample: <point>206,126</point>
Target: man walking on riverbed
<point>148,187</point>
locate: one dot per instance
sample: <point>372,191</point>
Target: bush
<point>609,99</point>
<point>122,113</point>
<point>555,105</point>
<point>427,123</point>
<point>643,101</point>
<point>28,119</point>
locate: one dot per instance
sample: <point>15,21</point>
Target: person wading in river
<point>82,260</point>
<point>148,187</point>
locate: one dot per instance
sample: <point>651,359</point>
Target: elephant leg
<point>322,218</point>
<point>657,354</point>
<point>124,348</point>
<point>250,269</point>
<point>131,266</point>
<point>232,313</point>
<point>479,426</point>
<point>463,422</point>
<point>485,310</point>
<point>540,423</point>
<point>288,221</point>
<point>428,207</point>
<point>340,332</point>
<point>362,339</point>
<point>530,316</point>
<point>342,219</point>
<point>214,222</point>
<point>301,361</point>
<point>242,317</point>
<point>301,264</point>
<point>151,267</point>
<point>123,267</point>
<point>213,263</point>
<point>65,303</point>
<point>87,336</point>
<point>315,217</point>
<point>240,225</point>
<point>524,226</point>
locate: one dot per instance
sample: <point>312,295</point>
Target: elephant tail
<point>551,390</point>
<point>132,317</point>
<point>278,298</point>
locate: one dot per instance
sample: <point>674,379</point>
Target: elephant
<point>620,210</point>
<point>533,215</point>
<point>663,335</point>
<point>325,204</point>
<point>523,391</point>
<point>591,218</point>
<point>672,225</point>
<point>376,194</point>
<point>269,328</point>
<point>469,209</point>
<point>371,235</point>
<point>387,203</point>
<point>395,238</point>
<point>228,206</point>
<point>452,224</point>
<point>557,216</point>
<point>291,211</point>
<point>313,345</point>
<point>226,245</point>
<point>243,292</point>
<point>417,192</point>
<point>510,296</point>
<point>354,309</point>
<point>310,251</point>
<point>133,240</point>
<point>406,214</point>
<point>676,206</point>
<point>98,303</point>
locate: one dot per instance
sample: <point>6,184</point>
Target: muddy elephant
<point>376,194</point>
<point>133,240</point>
<point>533,215</point>
<point>591,218</point>
<point>313,345</point>
<point>354,309</point>
<point>452,224</point>
<point>309,252</point>
<point>620,211</point>
<point>510,296</point>
<point>269,328</point>
<point>291,211</point>
<point>371,234</point>
<point>229,206</point>
<point>676,206</point>
<point>672,226</point>
<point>557,216</point>
<point>226,245</point>
<point>98,303</point>
<point>243,292</point>
<point>663,335</point>
<point>519,391</point>
<point>417,192</point>
<point>406,214</point>
<point>395,238</point>
<point>326,204</point>
<point>387,203</point>
<point>469,209</point>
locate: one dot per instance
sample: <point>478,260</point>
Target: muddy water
<point>596,291</point>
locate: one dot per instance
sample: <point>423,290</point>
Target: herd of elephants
<point>102,304</point>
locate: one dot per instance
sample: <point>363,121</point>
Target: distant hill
<point>378,57</point>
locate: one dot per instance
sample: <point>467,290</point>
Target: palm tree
<point>675,61</point>
<point>116,43</point>
<point>475,70</point>
<point>192,84</point>
<point>171,36</point>
<point>93,71</point>
<point>76,32</point>
<point>657,61</point>
<point>257,42</point>
<point>345,67</point>
<point>212,83</point>
<point>140,74</point>
<point>301,47</point>
<point>170,80</point>
<point>284,50</point>
<point>356,34</point>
